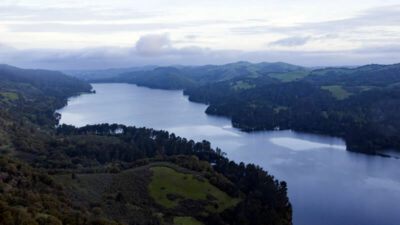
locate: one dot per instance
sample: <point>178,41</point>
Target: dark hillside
<point>182,77</point>
<point>96,175</point>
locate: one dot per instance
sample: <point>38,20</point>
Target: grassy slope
<point>9,96</point>
<point>186,221</point>
<point>337,91</point>
<point>242,85</point>
<point>130,194</point>
<point>290,76</point>
<point>168,181</point>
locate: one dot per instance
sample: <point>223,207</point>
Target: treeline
<point>29,196</point>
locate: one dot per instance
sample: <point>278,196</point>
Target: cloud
<point>153,44</point>
<point>106,26</point>
<point>103,58</point>
<point>98,27</point>
<point>6,48</point>
<point>78,12</point>
<point>291,41</point>
<point>149,49</point>
<point>160,45</point>
<point>191,37</point>
<point>377,17</point>
<point>385,49</point>
<point>197,26</point>
<point>159,49</point>
<point>301,40</point>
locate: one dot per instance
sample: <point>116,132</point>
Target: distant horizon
<point>54,59</point>
<point>199,65</point>
<point>233,62</point>
<point>76,34</point>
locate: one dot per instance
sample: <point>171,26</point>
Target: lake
<point>327,184</point>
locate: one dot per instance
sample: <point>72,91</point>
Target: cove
<point>327,184</point>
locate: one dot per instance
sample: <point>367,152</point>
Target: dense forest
<point>182,77</point>
<point>360,105</point>
<point>113,174</point>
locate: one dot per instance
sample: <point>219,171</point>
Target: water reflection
<point>327,185</point>
<point>302,145</point>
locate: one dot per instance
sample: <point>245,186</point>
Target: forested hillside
<point>104,74</point>
<point>114,174</point>
<point>183,77</point>
<point>359,104</point>
<point>33,95</point>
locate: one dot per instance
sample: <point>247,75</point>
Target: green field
<point>243,85</point>
<point>280,108</point>
<point>9,96</point>
<point>167,181</point>
<point>366,88</point>
<point>291,76</point>
<point>337,91</point>
<point>186,221</point>
<point>394,85</point>
<point>324,72</point>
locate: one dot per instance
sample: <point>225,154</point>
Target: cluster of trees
<point>29,196</point>
<point>266,198</point>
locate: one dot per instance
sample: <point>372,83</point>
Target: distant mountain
<point>161,77</point>
<point>181,77</point>
<point>103,74</point>
<point>34,95</point>
<point>54,82</point>
<point>369,75</point>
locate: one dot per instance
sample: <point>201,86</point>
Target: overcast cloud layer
<point>72,34</point>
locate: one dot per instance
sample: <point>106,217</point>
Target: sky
<point>98,34</point>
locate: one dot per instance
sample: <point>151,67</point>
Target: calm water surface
<point>327,185</point>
